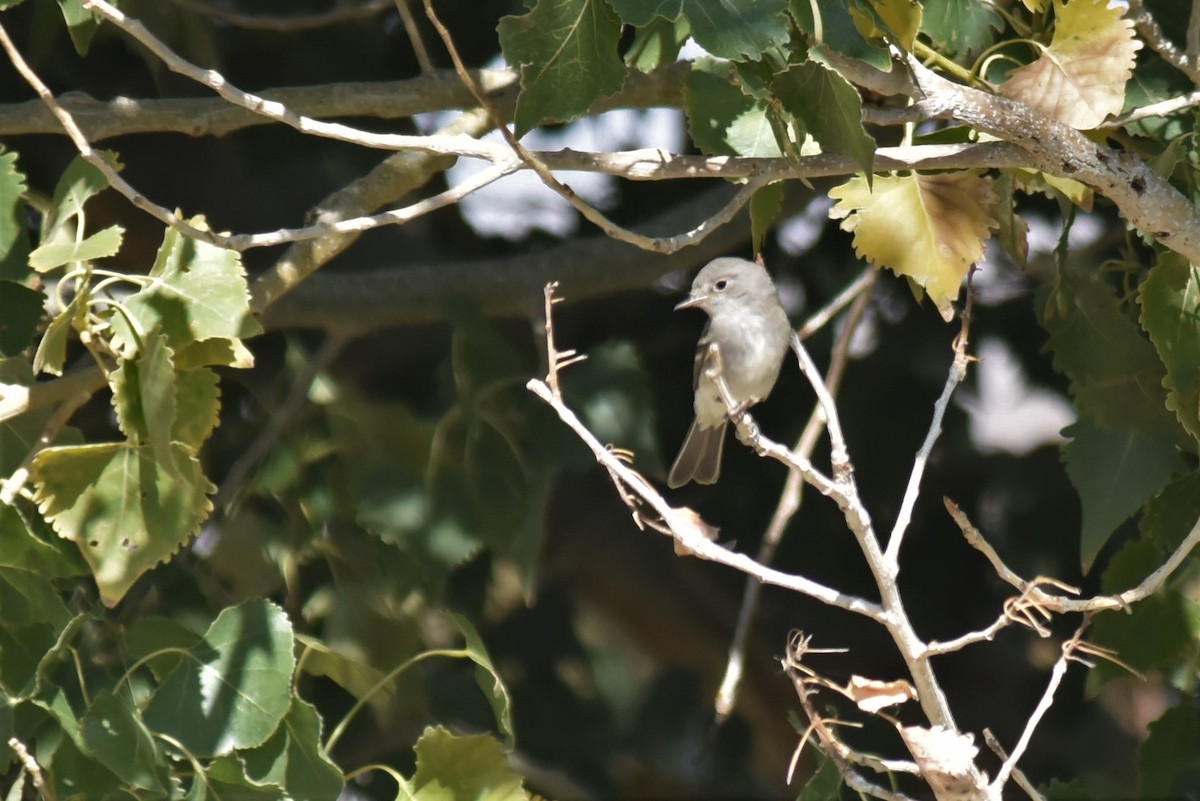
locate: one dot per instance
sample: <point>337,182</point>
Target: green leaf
<point>233,688</point>
<point>294,760</point>
<point>737,30</point>
<point>833,26</point>
<point>764,208</point>
<point>657,44</point>
<point>143,391</point>
<point>1170,299</point>
<point>1116,375</point>
<point>198,399</point>
<point>161,641</point>
<point>566,51</point>
<point>641,13</point>
<point>99,245</point>
<point>1158,632</point>
<point>14,236</point>
<point>112,731</point>
<point>79,183</point>
<point>349,672</point>
<point>488,678</point>
<point>723,121</point>
<point>124,510</point>
<point>81,24</point>
<point>1115,472</point>
<point>466,768</point>
<point>51,352</point>
<point>1170,516</point>
<point>197,291</point>
<point>22,312</point>
<point>1170,752</point>
<point>960,26</point>
<point>830,108</point>
<point>22,550</point>
<point>825,782</point>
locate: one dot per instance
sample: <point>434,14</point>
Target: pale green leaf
<point>143,392</point>
<point>723,121</point>
<point>764,208</point>
<point>640,13</point>
<point>14,237</point>
<point>828,23</point>
<point>124,510</point>
<point>196,291</point>
<point>463,768</point>
<point>488,677</point>
<point>99,245</point>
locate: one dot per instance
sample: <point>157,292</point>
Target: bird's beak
<point>691,302</point>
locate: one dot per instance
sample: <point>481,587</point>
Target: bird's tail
<point>699,457</point>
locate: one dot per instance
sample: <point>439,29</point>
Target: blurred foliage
<point>414,582</point>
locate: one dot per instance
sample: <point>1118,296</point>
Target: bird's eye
<point>720,285</point>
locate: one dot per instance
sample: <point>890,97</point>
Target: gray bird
<point>752,331</point>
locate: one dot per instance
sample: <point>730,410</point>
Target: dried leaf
<point>1080,79</point>
<point>931,228</point>
<point>873,695</point>
<point>946,759</point>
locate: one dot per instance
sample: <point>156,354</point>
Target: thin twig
<point>414,36</point>
<point>858,288</point>
<point>1018,775</point>
<point>1056,677</point>
<point>792,494</point>
<point>590,212</point>
<point>94,158</point>
<point>958,371</point>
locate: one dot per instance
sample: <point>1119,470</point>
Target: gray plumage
<point>751,330</point>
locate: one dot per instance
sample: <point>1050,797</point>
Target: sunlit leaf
<point>901,18</point>
<point>451,767</point>
<point>81,23</point>
<point>1170,300</point>
<point>100,245</point>
<point>1115,472</point>
<point>124,510</point>
<point>488,677</point>
<point>657,44</point>
<point>14,235</point>
<point>1081,77</point>
<point>566,51</point>
<point>196,292</point>
<point>231,690</point>
<point>198,399</point>
<point>930,228</point>
<point>144,397</point>
<point>80,182</point>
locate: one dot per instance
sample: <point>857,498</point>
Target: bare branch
<point>792,493</point>
<point>958,371</point>
<point>686,533</point>
<point>1056,677</point>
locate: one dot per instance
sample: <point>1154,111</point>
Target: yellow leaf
<point>931,228</point>
<point>1031,181</point>
<point>1080,79</point>
<point>903,18</point>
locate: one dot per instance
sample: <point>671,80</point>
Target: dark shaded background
<point>614,661</point>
